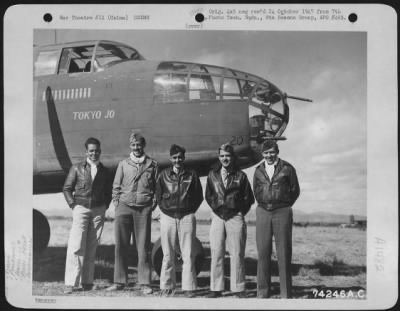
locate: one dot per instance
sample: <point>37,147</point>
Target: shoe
<point>189,294</point>
<point>167,292</point>
<point>240,294</point>
<point>70,289</point>
<point>147,290</point>
<point>86,287</point>
<point>214,294</point>
<point>114,287</point>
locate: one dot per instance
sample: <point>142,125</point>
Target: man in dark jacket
<point>179,194</point>
<point>134,200</point>
<point>87,191</point>
<point>229,195</point>
<point>276,189</point>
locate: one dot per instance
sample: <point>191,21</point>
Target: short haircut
<point>137,136</point>
<point>227,148</point>
<point>176,149</point>
<point>92,141</point>
<point>270,144</point>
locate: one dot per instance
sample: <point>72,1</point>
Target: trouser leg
<point>236,234</point>
<point>187,234</point>
<point>264,249</point>
<point>123,233</point>
<point>95,228</point>
<point>217,246</point>
<point>76,245</point>
<point>282,228</point>
<point>168,242</point>
<point>142,231</point>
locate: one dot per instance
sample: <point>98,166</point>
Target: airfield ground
<point>324,258</point>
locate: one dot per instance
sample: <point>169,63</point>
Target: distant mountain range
<point>298,216</point>
<point>55,206</point>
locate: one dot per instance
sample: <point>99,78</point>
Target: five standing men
<point>136,190</point>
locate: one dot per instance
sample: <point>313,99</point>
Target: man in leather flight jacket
<point>179,195</point>
<point>87,190</point>
<point>276,189</point>
<point>229,195</point>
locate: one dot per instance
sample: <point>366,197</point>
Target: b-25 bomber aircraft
<point>107,89</point>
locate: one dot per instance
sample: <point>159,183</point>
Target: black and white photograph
<point>233,166</point>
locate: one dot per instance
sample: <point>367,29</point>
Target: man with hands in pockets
<point>87,190</point>
<point>134,199</point>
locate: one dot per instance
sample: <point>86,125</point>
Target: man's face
<point>177,160</point>
<point>225,158</point>
<point>137,148</point>
<point>270,155</point>
<point>93,152</point>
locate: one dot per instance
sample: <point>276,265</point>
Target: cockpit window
<point>76,59</point>
<point>107,54</point>
<point>46,63</point>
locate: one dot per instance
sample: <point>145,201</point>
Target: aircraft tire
<point>41,232</point>
<point>157,257</point>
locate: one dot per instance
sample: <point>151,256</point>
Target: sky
<point>326,139</point>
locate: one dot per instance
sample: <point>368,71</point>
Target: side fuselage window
<point>170,88</point>
<point>201,87</point>
<point>231,89</point>
<point>46,63</point>
<point>178,82</point>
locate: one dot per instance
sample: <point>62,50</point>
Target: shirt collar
<point>92,163</point>
<point>273,164</point>
<point>228,172</point>
<point>172,171</point>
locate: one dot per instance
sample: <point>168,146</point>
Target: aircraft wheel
<point>157,256</point>
<point>41,232</point>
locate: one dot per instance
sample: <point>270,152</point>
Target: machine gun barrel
<point>299,98</point>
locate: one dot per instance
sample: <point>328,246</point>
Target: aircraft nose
<point>269,115</point>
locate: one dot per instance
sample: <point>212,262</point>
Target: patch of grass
<point>330,264</point>
<point>307,273</point>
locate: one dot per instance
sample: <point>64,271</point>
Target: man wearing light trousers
<point>229,195</point>
<point>179,195</point>
<point>87,190</point>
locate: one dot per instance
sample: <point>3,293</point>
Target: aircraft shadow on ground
<point>50,266</point>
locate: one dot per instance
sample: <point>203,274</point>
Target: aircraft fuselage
<point>193,105</point>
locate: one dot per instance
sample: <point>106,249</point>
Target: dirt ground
<point>325,260</point>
